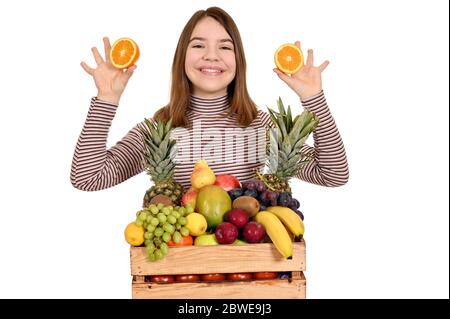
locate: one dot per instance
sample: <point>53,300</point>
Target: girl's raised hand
<point>110,81</point>
<point>308,80</point>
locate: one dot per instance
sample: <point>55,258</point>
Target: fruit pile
<point>220,210</point>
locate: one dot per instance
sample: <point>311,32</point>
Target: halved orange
<point>124,53</point>
<point>289,58</point>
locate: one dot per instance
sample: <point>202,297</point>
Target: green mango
<point>213,202</point>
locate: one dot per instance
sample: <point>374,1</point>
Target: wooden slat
<point>298,277</point>
<point>259,289</point>
<point>297,274</point>
<point>218,259</point>
<point>138,279</point>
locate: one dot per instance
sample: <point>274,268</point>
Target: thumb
<point>284,77</point>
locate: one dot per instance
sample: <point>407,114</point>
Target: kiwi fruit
<point>247,203</point>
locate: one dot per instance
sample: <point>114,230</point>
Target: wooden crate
<point>220,259</point>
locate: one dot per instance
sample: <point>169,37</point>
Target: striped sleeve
<point>94,167</point>
<point>329,165</point>
<point>266,120</point>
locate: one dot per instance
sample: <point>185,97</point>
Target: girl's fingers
<point>107,45</point>
<point>98,58</point>
<point>297,43</point>
<point>324,65</point>
<point>131,68</point>
<point>310,59</point>
<point>88,69</point>
<point>129,72</point>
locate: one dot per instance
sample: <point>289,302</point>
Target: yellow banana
<point>276,231</point>
<point>291,235</point>
<point>289,218</point>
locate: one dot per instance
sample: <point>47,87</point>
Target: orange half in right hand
<point>124,53</point>
<point>289,58</point>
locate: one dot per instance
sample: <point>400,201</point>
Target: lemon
<point>134,234</point>
<point>196,223</point>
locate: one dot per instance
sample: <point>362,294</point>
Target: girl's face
<point>210,60</point>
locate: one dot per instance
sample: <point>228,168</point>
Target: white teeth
<point>211,71</point>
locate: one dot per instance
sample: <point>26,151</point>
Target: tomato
<point>240,276</point>
<point>213,277</point>
<point>185,241</point>
<point>187,278</point>
<point>164,278</point>
<point>265,275</point>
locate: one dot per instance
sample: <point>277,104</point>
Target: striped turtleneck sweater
<point>214,136</point>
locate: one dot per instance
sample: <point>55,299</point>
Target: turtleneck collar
<point>216,105</point>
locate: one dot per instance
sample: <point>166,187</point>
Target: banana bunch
<point>279,222</point>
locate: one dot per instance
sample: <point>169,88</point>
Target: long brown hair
<point>240,102</point>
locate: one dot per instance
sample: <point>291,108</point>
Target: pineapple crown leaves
<point>159,150</point>
<point>287,138</point>
<point>272,162</point>
<point>295,130</point>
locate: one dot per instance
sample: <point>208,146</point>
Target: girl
<point>214,117</point>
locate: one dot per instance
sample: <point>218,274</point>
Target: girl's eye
<point>199,46</point>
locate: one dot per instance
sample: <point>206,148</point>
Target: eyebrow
<point>204,39</point>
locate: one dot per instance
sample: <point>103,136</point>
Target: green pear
<point>206,240</point>
<point>239,242</point>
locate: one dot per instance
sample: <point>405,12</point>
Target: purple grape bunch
<point>285,199</point>
<point>268,198</point>
<point>258,190</point>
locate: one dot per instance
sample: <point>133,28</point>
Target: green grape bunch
<point>162,224</point>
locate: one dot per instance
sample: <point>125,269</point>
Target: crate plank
<point>258,289</point>
<point>218,259</point>
<point>138,279</point>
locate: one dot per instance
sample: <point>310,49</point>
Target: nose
<point>211,54</point>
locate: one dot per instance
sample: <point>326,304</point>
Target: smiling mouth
<point>213,72</point>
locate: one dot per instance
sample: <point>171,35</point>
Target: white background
<point>383,235</point>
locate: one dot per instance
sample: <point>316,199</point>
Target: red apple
<point>227,182</point>
<point>189,197</point>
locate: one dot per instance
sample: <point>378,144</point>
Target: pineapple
<point>284,157</point>
<point>159,154</point>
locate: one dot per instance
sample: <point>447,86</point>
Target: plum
<point>251,192</point>
<point>295,203</point>
<point>284,199</point>
<point>238,217</point>
<point>284,275</point>
<point>226,233</point>
<point>254,232</point>
<point>299,213</point>
<point>235,193</point>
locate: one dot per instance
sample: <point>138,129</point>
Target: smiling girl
<point>214,117</point>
